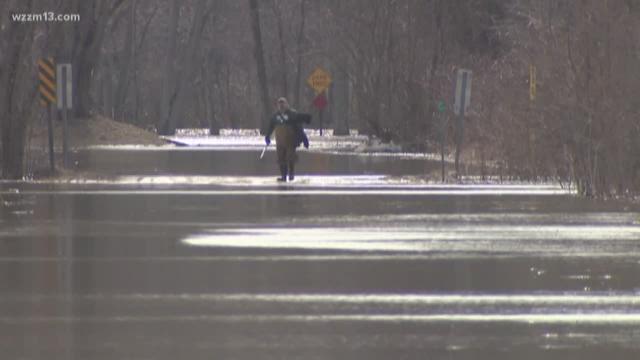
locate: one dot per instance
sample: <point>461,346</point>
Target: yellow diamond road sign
<point>319,80</point>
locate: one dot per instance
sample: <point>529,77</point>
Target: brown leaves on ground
<point>97,130</point>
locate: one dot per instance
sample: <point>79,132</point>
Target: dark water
<point>204,161</point>
<point>359,269</point>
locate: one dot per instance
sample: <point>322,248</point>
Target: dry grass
<point>98,130</point>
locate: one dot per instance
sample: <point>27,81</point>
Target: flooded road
<point>199,254</point>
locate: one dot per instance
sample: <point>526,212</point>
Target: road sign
<point>319,80</point>
<point>47,90</point>
<point>64,86</point>
<point>47,76</point>
<point>463,92</point>
<point>320,101</point>
<point>442,107</point>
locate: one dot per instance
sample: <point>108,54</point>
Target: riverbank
<point>83,133</point>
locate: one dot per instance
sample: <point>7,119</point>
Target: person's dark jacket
<point>291,118</point>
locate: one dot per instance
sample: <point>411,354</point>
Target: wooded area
<point>196,63</point>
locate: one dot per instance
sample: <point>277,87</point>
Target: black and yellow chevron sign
<point>47,76</point>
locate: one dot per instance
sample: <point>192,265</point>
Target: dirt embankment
<point>97,130</point>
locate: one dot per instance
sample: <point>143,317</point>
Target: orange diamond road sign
<point>319,80</point>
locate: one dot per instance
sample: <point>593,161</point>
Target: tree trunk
<point>436,59</point>
<point>299,50</point>
<point>86,49</point>
<point>188,69</point>
<point>13,127</point>
<point>283,50</point>
<point>227,98</point>
<point>125,66</point>
<point>168,88</point>
<point>259,56</point>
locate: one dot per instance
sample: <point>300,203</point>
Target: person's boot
<point>291,173</point>
<point>283,173</point>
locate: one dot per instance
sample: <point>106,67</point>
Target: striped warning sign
<point>47,76</point>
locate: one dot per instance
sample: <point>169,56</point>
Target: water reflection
<point>361,266</point>
<point>496,240</point>
<point>194,161</point>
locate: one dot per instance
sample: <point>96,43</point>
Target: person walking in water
<point>287,124</point>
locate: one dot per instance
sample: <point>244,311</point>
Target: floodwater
<point>198,254</point>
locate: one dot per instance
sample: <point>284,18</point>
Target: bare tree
<point>15,95</point>
<point>183,65</point>
<point>299,49</point>
<point>260,63</point>
<point>398,56</point>
<point>87,44</point>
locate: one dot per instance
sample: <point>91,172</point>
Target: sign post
<point>442,108</point>
<point>319,80</point>
<point>320,102</point>
<point>65,91</point>
<point>47,90</point>
<point>460,108</point>
<point>532,83</point>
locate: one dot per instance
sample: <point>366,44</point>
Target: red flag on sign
<point>320,101</point>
